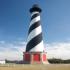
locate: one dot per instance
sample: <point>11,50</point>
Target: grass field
<point>35,67</point>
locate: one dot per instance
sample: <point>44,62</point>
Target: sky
<point>15,20</point>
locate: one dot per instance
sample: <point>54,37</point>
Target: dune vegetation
<point>35,67</point>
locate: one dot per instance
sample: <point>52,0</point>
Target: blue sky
<point>15,20</point>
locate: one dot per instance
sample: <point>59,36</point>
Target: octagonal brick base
<point>35,58</point>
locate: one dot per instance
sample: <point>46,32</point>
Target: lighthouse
<point>35,48</point>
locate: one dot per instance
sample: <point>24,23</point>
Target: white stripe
<point>34,33</point>
<point>38,48</point>
<point>34,13</point>
<point>35,20</point>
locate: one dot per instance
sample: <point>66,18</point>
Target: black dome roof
<point>35,8</point>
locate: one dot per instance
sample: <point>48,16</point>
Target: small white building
<point>2,61</point>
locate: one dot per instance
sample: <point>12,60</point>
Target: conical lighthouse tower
<point>35,49</point>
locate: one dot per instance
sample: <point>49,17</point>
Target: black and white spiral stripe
<point>35,42</point>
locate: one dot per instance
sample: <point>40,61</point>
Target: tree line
<point>51,61</point>
<point>58,61</point>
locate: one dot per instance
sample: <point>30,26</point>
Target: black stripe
<point>33,26</point>
<point>32,43</point>
<point>35,15</point>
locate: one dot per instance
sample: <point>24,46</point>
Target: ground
<point>35,67</point>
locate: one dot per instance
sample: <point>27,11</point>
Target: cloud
<point>58,50</point>
<point>14,51</point>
